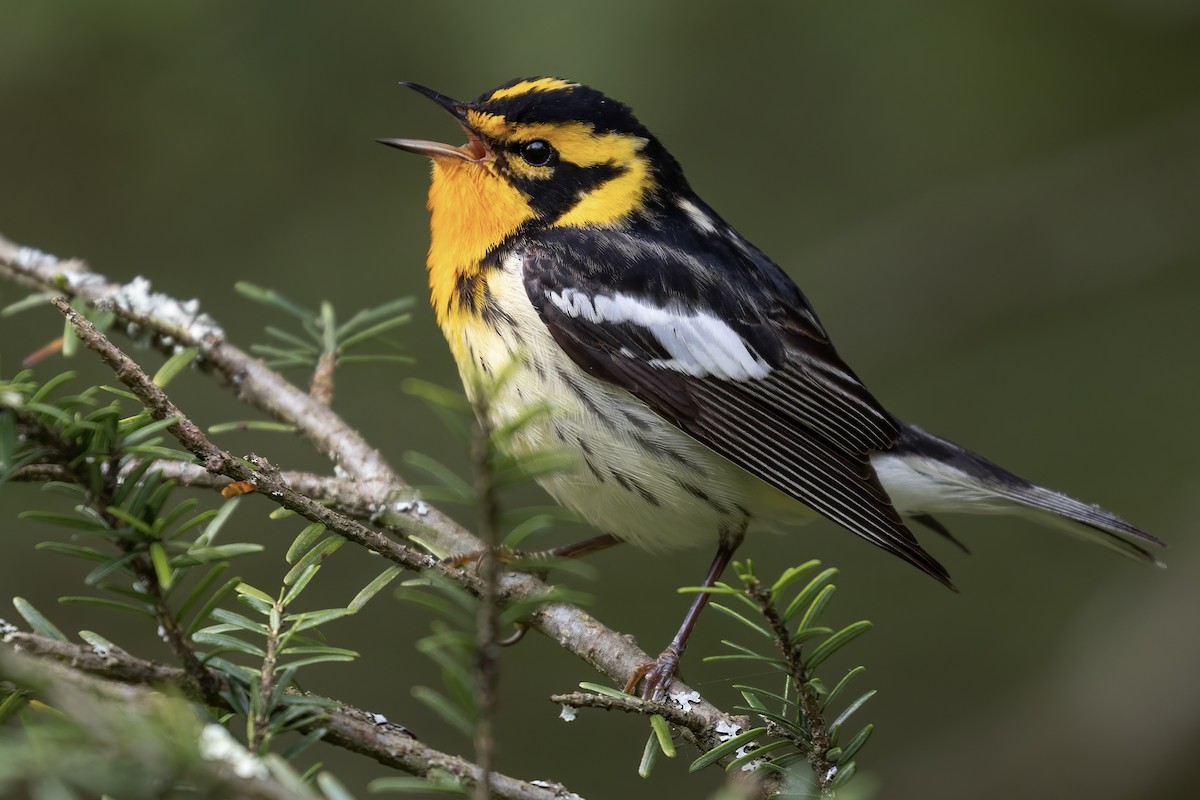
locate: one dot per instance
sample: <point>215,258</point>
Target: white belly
<point>634,475</point>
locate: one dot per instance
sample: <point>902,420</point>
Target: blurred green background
<point>994,206</point>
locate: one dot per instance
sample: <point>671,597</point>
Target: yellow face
<point>541,153</point>
<point>569,173</point>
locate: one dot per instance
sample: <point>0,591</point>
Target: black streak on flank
<point>700,494</point>
<point>631,485</point>
<point>587,459</point>
<point>592,469</point>
<point>660,450</point>
<point>579,392</point>
<point>495,316</point>
<point>637,422</point>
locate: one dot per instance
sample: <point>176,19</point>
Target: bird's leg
<point>575,550</point>
<point>656,675</point>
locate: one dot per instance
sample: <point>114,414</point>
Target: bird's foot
<point>506,555</point>
<point>503,554</point>
<point>655,676</point>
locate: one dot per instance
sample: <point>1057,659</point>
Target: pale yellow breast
<point>635,475</point>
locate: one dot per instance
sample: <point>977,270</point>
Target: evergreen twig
<point>575,630</point>
<point>817,745</point>
<point>487,646</point>
<point>572,628</point>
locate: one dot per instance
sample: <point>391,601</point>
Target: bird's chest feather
<point>472,210</point>
<point>632,473</point>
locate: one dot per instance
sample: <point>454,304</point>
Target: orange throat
<point>472,209</point>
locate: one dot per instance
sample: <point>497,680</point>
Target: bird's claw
<point>655,676</point>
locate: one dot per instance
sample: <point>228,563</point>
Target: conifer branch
<point>373,488</point>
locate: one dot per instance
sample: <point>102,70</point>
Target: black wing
<point>711,334</point>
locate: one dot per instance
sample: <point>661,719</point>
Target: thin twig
<point>321,387</point>
<point>487,648</point>
<point>671,713</point>
<point>173,633</point>
<point>817,746</point>
<point>260,730</point>
<point>43,473</point>
<point>374,501</point>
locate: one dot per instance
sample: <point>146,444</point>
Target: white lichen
<point>137,297</point>
<point>567,714</point>
<point>7,631</point>
<point>71,273</point>
<point>685,700</point>
<point>216,744</point>
<point>727,730</point>
<point>752,764</point>
<point>557,788</point>
<point>32,258</point>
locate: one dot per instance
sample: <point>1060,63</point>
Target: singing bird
<point>688,376</point>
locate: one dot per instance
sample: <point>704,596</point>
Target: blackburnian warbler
<point>688,375</point>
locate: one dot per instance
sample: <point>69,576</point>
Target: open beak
<point>474,150</point>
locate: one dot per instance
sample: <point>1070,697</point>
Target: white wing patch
<point>701,220</point>
<point>700,344</point>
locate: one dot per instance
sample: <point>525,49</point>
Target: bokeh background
<point>994,206</point>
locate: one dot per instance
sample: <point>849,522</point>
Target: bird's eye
<point>537,153</point>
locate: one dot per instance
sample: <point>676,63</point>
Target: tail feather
<point>934,524</point>
<point>1087,522</point>
<point>924,474</point>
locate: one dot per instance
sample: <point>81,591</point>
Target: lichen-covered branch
<point>376,501</point>
<point>674,714</point>
<point>258,472</point>
<point>374,492</point>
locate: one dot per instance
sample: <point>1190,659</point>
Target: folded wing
<point>717,340</point>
